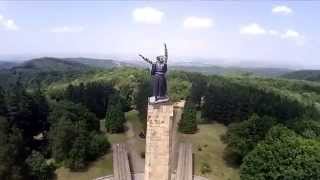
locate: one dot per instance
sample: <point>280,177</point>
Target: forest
<point>51,118</point>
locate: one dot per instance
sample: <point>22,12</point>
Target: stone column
<point>161,140</point>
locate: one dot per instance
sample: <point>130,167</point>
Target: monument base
<point>162,121</point>
<point>152,100</point>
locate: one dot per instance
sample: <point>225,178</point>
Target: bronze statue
<point>158,73</point>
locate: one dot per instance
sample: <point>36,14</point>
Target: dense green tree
<point>2,102</point>
<point>144,91</point>
<point>78,154</point>
<point>198,88</point>
<point>93,95</point>
<point>178,89</point>
<point>243,136</point>
<point>62,135</point>
<point>27,111</point>
<point>228,102</point>
<point>115,118</point>
<point>38,166</point>
<point>283,155</point>
<point>75,113</point>
<point>188,122</point>
<point>40,110</point>
<point>99,145</point>
<point>307,127</point>
<point>73,137</point>
<point>12,152</point>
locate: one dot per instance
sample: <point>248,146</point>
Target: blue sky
<point>279,33</point>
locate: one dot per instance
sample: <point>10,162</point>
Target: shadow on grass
<point>232,159</point>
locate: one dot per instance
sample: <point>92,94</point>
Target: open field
<point>208,148</point>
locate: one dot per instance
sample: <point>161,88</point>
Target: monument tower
<point>161,154</point>
<point>161,140</point>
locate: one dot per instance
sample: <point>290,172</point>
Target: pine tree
<point>38,166</point>
<point>188,122</point>
<point>115,118</point>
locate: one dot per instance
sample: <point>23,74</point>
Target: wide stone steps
<point>121,168</point>
<point>185,162</point>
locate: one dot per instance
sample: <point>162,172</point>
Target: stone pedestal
<point>161,143</point>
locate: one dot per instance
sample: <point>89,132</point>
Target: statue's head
<point>160,59</point>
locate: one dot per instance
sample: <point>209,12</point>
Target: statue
<point>158,73</point>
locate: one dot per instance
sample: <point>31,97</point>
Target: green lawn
<point>208,148</point>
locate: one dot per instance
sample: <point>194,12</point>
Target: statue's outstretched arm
<point>146,59</point>
<point>165,53</point>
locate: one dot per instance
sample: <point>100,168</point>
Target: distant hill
<point>270,72</point>
<point>99,63</point>
<point>310,75</point>
<point>46,70</point>
<point>7,65</point>
<point>49,64</point>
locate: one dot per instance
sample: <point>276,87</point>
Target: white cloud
<point>67,29</point>
<point>147,15</point>
<point>197,22</point>
<point>252,29</point>
<point>8,24</point>
<point>273,32</point>
<point>256,29</point>
<point>284,10</point>
<point>290,34</point>
<point>295,36</point>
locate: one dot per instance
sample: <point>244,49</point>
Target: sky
<point>263,33</point>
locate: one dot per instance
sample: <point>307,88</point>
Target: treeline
<point>74,137</point>
<point>23,119</point>
<point>34,129</point>
<point>273,136</point>
<point>228,102</point>
<point>63,124</point>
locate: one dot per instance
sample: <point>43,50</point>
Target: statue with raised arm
<point>158,73</point>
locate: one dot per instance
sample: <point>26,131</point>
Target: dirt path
<point>134,144</point>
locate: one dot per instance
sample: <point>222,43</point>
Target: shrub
<point>205,168</point>
<point>242,137</point>
<point>38,166</point>
<point>188,122</point>
<point>115,119</point>
<point>99,145</point>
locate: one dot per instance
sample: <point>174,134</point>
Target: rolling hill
<point>218,70</point>
<point>7,65</point>
<point>310,75</point>
<point>99,63</point>
<point>45,70</point>
<point>49,64</point>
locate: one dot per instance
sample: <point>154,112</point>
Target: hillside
<point>98,63</point>
<point>218,70</point>
<point>45,70</point>
<point>50,64</point>
<point>7,65</point>
<point>310,75</point>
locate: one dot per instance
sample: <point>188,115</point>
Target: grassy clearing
<point>103,166</point>
<point>208,148</point>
